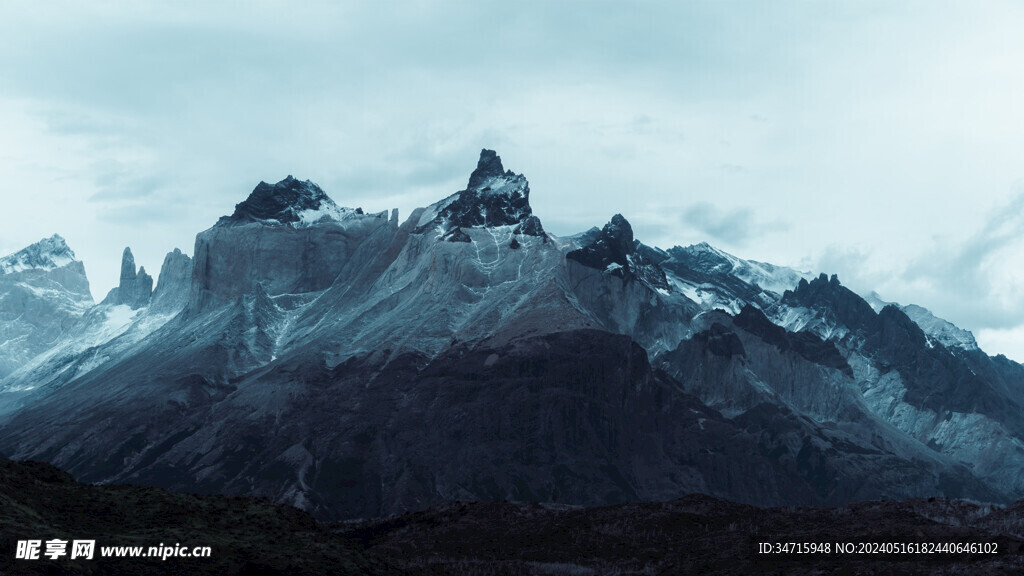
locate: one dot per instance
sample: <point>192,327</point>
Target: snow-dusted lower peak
<point>876,301</point>
<point>290,201</point>
<point>47,254</point>
<point>105,333</point>
<point>109,322</point>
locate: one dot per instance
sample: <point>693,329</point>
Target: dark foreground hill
<point>693,535</point>
<point>246,535</point>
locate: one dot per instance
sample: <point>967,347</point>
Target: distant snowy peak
<point>766,276</point>
<point>615,252</point>
<point>945,332</point>
<point>876,301</point>
<point>718,280</point>
<point>43,291</point>
<point>493,197</point>
<point>47,254</point>
<point>942,331</point>
<point>290,201</point>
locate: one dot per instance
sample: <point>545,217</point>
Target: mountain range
<point>355,366</point>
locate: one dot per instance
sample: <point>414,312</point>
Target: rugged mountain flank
<point>961,403</point>
<point>354,365</point>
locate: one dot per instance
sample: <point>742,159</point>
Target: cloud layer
<point>797,133</point>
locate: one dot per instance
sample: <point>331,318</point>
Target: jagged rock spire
<point>613,246</point>
<point>614,252</point>
<point>172,287</point>
<point>135,288</point>
<point>487,167</point>
<point>127,267</point>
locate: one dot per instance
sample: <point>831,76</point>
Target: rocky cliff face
<point>716,279</point>
<point>172,288</point>
<point>289,237</point>
<point>572,417</point>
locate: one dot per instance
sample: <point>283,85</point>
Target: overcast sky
<point>882,141</point>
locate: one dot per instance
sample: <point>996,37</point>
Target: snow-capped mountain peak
<point>493,197</point>
<point>290,201</point>
<point>47,254</point>
<point>43,290</point>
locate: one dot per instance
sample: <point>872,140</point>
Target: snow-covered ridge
<point>47,254</point>
<point>768,277</point>
<point>716,279</point>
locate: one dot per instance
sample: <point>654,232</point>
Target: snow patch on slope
<point>328,211</point>
<point>709,296</point>
<point>800,319</point>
